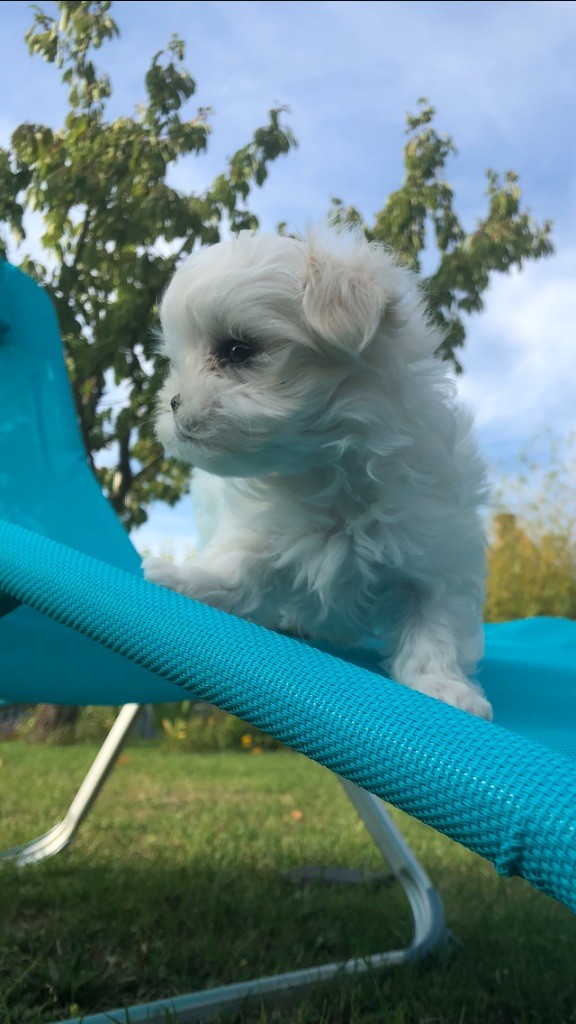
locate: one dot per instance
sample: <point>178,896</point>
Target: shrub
<point>532,558</point>
<point>200,727</point>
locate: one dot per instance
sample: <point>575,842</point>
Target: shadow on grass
<point>95,937</point>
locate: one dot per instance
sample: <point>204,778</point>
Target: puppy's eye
<point>235,351</point>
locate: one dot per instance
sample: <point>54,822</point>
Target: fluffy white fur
<point>343,480</point>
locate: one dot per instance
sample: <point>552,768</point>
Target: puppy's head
<point>269,340</point>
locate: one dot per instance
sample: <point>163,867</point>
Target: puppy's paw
<point>458,693</point>
<point>193,581</point>
<point>162,572</point>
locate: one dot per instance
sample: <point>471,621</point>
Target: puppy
<point>343,482</point>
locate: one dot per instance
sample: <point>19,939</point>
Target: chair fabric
<point>89,629</point>
<point>46,484</point>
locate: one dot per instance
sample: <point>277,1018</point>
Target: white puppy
<point>346,486</point>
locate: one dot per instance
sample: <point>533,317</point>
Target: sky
<point>502,77</point>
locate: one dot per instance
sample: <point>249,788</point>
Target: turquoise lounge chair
<point>79,625</point>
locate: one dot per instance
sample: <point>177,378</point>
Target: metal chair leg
<point>61,835</point>
<point>427,909</point>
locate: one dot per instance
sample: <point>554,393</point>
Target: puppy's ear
<point>344,299</point>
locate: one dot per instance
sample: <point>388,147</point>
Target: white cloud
<point>520,357</point>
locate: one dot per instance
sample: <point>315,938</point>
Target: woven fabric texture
<point>46,485</point>
<point>508,798</point>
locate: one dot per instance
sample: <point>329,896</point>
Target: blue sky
<point>502,77</point>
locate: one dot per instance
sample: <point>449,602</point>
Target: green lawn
<point>177,881</point>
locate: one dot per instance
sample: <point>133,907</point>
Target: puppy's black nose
<point>175,403</point>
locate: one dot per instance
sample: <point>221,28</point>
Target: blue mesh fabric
<point>503,795</point>
<point>47,486</point>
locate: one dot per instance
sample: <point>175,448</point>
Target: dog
<point>343,481</point>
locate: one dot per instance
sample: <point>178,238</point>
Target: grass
<point>177,881</point>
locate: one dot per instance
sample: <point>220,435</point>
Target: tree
<point>114,231</point>
<point>420,215</point>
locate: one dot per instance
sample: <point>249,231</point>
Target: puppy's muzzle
<point>192,429</point>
